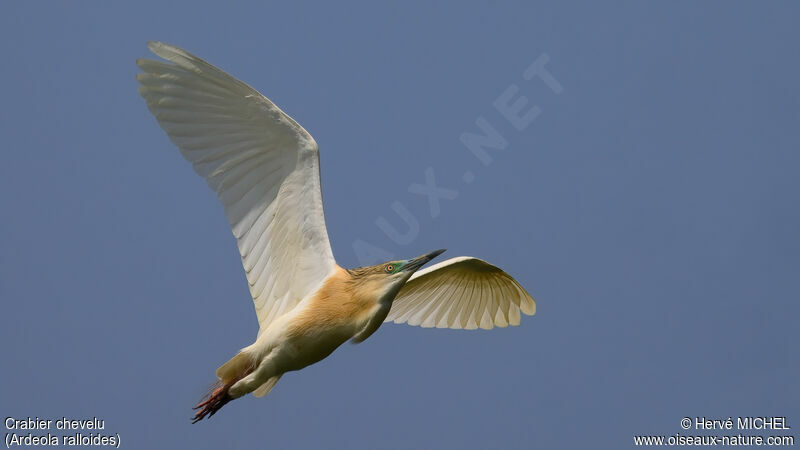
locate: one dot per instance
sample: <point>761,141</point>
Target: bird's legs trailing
<point>212,403</point>
<point>239,376</point>
<point>229,374</point>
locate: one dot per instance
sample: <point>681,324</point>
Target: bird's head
<point>385,280</point>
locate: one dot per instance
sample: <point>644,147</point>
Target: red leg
<point>216,400</point>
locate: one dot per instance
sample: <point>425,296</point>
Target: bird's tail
<point>235,369</point>
<point>239,366</point>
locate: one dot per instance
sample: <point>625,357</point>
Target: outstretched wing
<point>461,293</point>
<point>263,166</point>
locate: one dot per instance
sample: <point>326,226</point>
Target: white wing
<point>461,293</point>
<point>263,166</point>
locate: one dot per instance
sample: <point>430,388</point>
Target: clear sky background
<point>651,209</point>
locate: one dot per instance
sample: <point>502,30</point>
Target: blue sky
<point>650,208</point>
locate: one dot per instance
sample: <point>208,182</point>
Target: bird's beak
<point>420,261</point>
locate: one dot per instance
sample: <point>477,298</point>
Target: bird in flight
<point>264,168</point>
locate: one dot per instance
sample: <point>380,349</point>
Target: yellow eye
<point>389,268</point>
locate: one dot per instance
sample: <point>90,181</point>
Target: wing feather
<point>263,166</point>
<point>461,293</point>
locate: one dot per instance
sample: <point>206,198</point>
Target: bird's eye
<point>389,268</point>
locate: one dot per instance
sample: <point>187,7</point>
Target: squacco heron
<point>264,168</point>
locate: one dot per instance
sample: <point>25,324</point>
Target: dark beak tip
<point>436,253</point>
<point>420,261</point>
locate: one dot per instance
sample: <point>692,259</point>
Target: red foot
<point>216,400</point>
